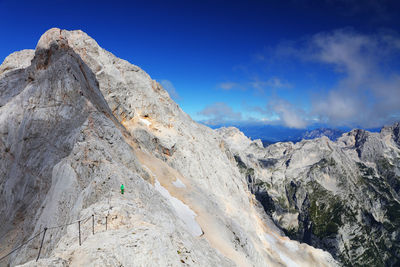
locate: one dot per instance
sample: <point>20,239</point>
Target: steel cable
<point>49,228</point>
<point>20,246</point>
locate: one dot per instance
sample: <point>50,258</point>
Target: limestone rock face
<point>17,60</point>
<point>340,196</point>
<point>76,122</point>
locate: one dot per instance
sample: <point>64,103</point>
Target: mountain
<point>342,196</point>
<point>270,134</point>
<point>76,123</point>
<point>332,134</point>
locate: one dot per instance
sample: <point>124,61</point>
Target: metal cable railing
<point>79,222</point>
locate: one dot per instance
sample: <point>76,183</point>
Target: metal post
<point>92,223</point>
<point>79,226</point>
<point>41,244</point>
<point>106,223</point>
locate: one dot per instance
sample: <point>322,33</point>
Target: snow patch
<point>286,259</point>
<point>183,211</point>
<point>145,122</point>
<point>178,183</point>
<point>291,245</point>
<point>329,183</point>
<point>270,239</point>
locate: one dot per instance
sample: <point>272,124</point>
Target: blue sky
<point>292,63</point>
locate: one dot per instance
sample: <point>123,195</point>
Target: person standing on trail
<point>122,189</point>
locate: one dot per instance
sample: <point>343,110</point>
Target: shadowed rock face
<point>46,109</point>
<point>76,122</point>
<point>44,106</point>
<point>340,196</point>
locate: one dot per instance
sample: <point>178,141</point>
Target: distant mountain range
<point>332,134</point>
<point>270,134</point>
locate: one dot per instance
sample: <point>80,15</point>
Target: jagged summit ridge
<point>111,72</point>
<point>76,123</point>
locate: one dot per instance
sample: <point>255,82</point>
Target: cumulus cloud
<point>170,88</point>
<point>366,92</point>
<point>280,111</point>
<point>220,113</point>
<point>369,92</point>
<point>290,116</point>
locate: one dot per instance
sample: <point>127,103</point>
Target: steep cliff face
<point>340,196</point>
<point>76,122</point>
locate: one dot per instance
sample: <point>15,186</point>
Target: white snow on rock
<point>178,183</point>
<point>292,246</point>
<point>183,211</point>
<point>282,252</point>
<point>145,122</point>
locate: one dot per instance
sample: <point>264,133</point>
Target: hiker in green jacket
<point>122,189</point>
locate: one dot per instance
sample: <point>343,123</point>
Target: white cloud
<point>170,88</point>
<point>289,115</point>
<point>368,95</point>
<point>280,111</point>
<point>366,92</point>
<point>220,113</point>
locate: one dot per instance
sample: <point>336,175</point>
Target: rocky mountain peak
<point>394,131</point>
<point>332,134</point>
<point>53,37</point>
